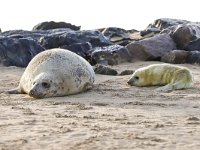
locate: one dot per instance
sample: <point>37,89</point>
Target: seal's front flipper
<point>14,91</point>
<point>166,89</point>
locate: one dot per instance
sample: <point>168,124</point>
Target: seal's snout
<point>35,94</point>
<point>32,93</point>
<point>130,82</point>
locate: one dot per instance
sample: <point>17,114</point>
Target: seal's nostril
<point>31,93</point>
<point>130,83</point>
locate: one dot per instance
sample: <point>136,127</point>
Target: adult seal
<point>56,72</point>
<point>171,76</point>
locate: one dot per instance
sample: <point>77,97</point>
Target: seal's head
<point>45,85</point>
<point>138,78</point>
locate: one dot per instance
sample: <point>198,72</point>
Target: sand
<point>111,116</point>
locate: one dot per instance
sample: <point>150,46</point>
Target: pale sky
<point>92,14</point>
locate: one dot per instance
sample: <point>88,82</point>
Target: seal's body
<point>56,72</point>
<point>172,76</point>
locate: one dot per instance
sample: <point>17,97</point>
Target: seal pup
<point>172,76</point>
<point>55,72</point>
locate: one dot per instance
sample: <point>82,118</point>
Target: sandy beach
<point>111,116</point>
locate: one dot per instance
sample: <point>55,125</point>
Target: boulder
<point>82,49</point>
<point>79,42</point>
<point>193,45</point>
<point>110,55</point>
<point>148,31</point>
<point>60,37</point>
<point>132,31</point>
<point>185,33</point>
<point>117,35</point>
<point>36,35</point>
<point>181,57</point>
<point>55,25</point>
<point>175,57</point>
<point>95,38</point>
<point>193,57</point>
<point>126,72</point>
<point>105,70</point>
<point>168,30</point>
<point>18,52</point>
<point>164,23</point>
<point>152,48</point>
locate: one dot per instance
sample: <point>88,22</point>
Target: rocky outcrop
<point>79,42</point>
<point>150,32</point>
<point>164,23</point>
<point>108,46</point>
<point>193,45</point>
<point>82,49</point>
<point>110,55</point>
<point>60,37</point>
<point>18,52</point>
<point>193,57</point>
<point>152,48</point>
<point>181,57</point>
<point>185,33</point>
<point>36,35</point>
<point>55,25</point>
<point>175,57</point>
<point>117,35</point>
<point>95,38</point>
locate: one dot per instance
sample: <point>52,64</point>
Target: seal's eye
<point>45,85</point>
<point>136,78</point>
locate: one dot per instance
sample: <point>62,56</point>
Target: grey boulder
<point>152,48</point>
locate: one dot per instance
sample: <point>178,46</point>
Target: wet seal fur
<point>55,72</point>
<point>173,77</point>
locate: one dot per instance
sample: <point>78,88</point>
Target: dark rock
<point>169,30</point>
<point>185,33</point>
<point>193,57</point>
<point>22,34</point>
<point>60,37</point>
<point>79,42</point>
<point>132,31</point>
<point>175,57</point>
<point>164,23</point>
<point>110,55</point>
<point>152,48</point>
<point>181,57</point>
<point>117,35</point>
<point>18,52</point>
<point>151,31</point>
<point>95,38</point>
<point>126,72</point>
<point>113,32</point>
<point>100,29</point>
<point>193,119</point>
<point>36,35</point>
<point>193,45</point>
<point>82,49</point>
<point>101,69</point>
<point>55,25</point>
